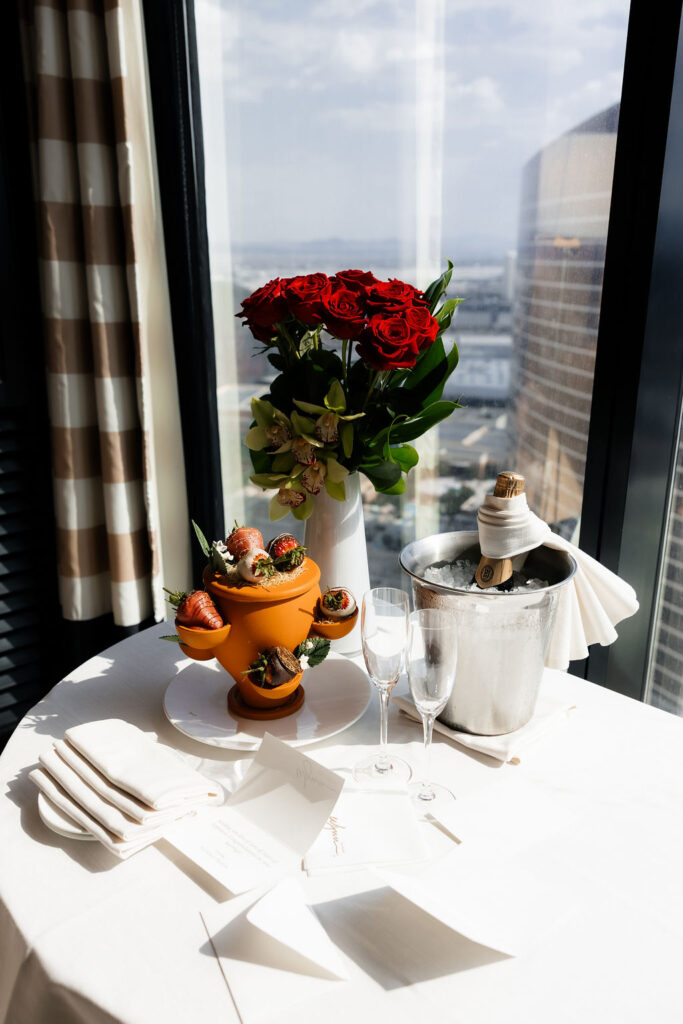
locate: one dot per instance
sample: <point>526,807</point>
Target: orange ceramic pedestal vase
<point>258,616</point>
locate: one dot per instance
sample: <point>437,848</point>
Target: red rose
<point>388,343</point>
<point>344,314</point>
<point>265,306</point>
<point>393,294</point>
<point>263,334</point>
<point>305,296</point>
<point>423,324</point>
<point>354,280</point>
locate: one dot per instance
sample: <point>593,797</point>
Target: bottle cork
<point>497,572</point>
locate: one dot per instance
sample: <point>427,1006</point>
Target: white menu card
<point>265,827</point>
<point>373,826</point>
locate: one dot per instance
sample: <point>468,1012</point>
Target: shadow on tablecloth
<point>396,942</point>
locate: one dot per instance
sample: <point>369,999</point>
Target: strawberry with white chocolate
<point>274,666</point>
<point>256,565</point>
<point>337,603</point>
<point>286,552</point>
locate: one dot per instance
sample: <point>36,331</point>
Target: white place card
<point>273,952</point>
<point>377,826</point>
<point>268,823</point>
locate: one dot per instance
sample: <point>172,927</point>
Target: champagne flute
<point>431,660</point>
<point>384,626</point>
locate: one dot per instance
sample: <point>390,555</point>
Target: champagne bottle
<point>497,572</point>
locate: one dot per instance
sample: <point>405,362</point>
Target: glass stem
<point>383,757</point>
<point>428,727</point>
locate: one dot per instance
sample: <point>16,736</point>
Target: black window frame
<point>633,432</point>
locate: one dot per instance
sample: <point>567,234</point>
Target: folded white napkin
<point>109,816</point>
<point>508,747</point>
<point>119,847</point>
<point>129,759</point>
<point>128,804</point>
<point>590,605</point>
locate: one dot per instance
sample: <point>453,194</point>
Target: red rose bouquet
<point>327,413</point>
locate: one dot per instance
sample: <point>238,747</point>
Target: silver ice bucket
<point>502,638</point>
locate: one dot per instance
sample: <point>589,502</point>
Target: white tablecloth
<point>84,938</point>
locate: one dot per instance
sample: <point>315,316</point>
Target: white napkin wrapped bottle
<point>593,602</point>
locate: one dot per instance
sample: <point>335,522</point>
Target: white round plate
<point>59,822</point>
<point>337,694</point>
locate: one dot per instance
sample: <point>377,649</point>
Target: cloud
<point>332,86</point>
<point>481,95</point>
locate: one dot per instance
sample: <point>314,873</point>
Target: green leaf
<point>256,438</point>
<point>437,288</point>
<point>335,399</point>
<point>347,439</point>
<point>398,488</point>
<point>430,387</point>
<point>283,463</point>
<point>335,489</point>
<point>277,360</point>
<point>260,461</point>
<point>277,511</point>
<point>444,315</point>
<point>430,366</point>
<point>419,424</point>
<point>203,542</point>
<point>315,648</point>
<point>266,480</point>
<point>217,561</point>
<point>175,638</point>
<point>405,455</point>
<point>263,412</point>
<point>382,475</point>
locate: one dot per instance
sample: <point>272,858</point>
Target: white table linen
<point>88,939</point>
<point>511,746</point>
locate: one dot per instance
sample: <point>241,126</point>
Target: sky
<point>380,119</point>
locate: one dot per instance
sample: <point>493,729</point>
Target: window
<point>389,137</point>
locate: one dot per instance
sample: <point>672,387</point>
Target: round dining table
<point>87,938</point>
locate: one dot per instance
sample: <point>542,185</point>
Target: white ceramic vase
<point>335,539</point>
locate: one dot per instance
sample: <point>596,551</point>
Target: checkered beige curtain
<point>95,271</point>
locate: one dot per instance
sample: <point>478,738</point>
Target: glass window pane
<point>389,137</point>
<point>665,671</point>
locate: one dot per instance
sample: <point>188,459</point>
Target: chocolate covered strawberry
<point>286,552</point>
<point>195,609</point>
<point>256,566</point>
<point>274,667</point>
<point>337,603</point>
<point>243,539</point>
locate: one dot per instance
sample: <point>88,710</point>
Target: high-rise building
<point>566,192</point>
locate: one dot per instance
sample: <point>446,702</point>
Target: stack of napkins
<point>119,785</point>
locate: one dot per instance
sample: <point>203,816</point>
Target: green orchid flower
<point>273,429</point>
